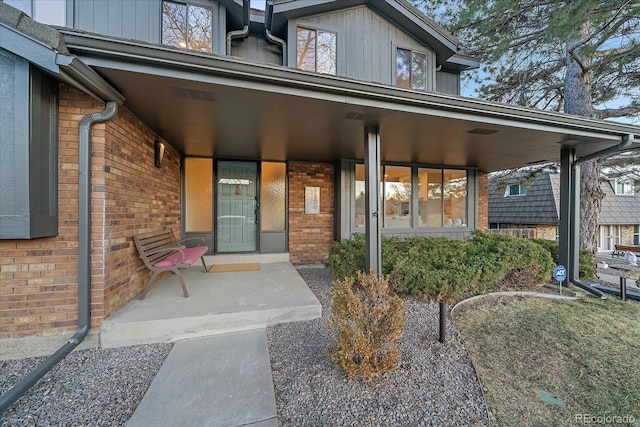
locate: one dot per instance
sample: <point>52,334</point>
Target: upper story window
<point>316,51</point>
<point>411,69</point>
<point>186,26</point>
<point>515,190</point>
<point>624,188</point>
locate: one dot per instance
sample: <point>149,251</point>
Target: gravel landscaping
<point>96,387</point>
<point>435,384</point>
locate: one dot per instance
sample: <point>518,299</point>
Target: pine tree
<point>581,57</point>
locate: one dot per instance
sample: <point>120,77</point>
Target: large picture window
<point>397,197</point>
<point>411,69</point>
<point>440,194</point>
<point>316,51</point>
<point>186,26</point>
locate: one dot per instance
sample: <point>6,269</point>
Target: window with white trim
<point>187,26</point>
<point>515,190</point>
<point>411,69</point>
<point>624,187</point>
<point>316,51</point>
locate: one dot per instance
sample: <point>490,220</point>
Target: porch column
<point>373,254</point>
<point>569,202</point>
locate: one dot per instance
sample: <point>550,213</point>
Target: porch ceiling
<point>206,105</point>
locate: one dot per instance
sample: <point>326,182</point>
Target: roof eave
<point>232,67</point>
<point>49,58</point>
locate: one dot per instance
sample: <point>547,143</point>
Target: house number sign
<point>311,200</point>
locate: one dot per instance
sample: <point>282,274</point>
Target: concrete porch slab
<point>218,303</point>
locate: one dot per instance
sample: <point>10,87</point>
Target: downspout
<point>244,32</point>
<point>626,142</point>
<point>84,259</point>
<point>270,37</point>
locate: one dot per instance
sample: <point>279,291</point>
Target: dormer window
<point>316,51</point>
<point>623,187</point>
<point>515,190</point>
<point>411,69</point>
<point>186,26</point>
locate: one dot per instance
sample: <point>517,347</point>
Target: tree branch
<point>616,112</point>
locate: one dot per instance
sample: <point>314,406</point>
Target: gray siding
<point>448,83</point>
<point>136,20</point>
<point>28,143</point>
<point>257,48</point>
<point>619,209</point>
<point>366,44</point>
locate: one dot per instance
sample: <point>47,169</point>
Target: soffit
<point>205,105</point>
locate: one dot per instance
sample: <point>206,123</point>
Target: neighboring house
<point>533,209</point>
<point>248,127</point>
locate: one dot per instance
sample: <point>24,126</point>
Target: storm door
<point>237,206</point>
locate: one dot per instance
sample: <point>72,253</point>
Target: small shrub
<point>367,320</point>
<point>586,268</point>
<point>347,257</point>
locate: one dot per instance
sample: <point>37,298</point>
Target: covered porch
<point>218,303</point>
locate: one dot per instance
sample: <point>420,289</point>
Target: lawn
<point>586,353</point>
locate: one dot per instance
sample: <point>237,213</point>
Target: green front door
<point>237,206</point>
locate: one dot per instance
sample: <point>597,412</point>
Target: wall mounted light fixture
<point>158,153</point>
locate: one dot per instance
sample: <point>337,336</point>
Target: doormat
<point>230,268</point>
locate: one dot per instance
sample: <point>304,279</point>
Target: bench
<point>160,252</point>
<point>620,250</point>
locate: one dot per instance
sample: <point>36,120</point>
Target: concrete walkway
<point>224,380</point>
<point>615,280</point>
<point>219,371</point>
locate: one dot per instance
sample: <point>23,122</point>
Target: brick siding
<point>38,277</point>
<point>310,236</point>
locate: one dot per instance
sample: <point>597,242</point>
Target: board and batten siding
<point>447,83</point>
<point>257,49</point>
<point>138,20</point>
<point>366,44</point>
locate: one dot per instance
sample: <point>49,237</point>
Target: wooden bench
<point>160,251</point>
<point>620,250</point>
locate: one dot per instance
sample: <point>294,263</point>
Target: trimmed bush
<point>435,268</point>
<point>367,320</point>
<point>587,267</point>
<point>347,258</point>
<point>440,268</point>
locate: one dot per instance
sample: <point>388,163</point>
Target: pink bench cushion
<point>190,256</point>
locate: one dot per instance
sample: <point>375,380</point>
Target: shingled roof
<point>619,209</point>
<point>540,206</point>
